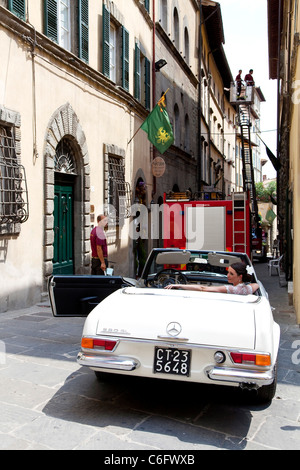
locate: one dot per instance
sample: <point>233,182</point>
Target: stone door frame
<point>65,124</point>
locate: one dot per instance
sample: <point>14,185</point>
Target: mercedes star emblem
<point>174,329</point>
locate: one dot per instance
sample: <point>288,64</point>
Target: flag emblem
<point>162,136</point>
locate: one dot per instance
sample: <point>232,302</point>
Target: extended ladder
<point>248,172</point>
<point>239,222</point>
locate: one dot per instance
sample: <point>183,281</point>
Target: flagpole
<point>158,103</point>
<point>260,138</point>
<point>163,97</point>
<point>133,136</point>
<point>275,161</point>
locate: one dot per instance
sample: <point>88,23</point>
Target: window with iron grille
<point>118,190</point>
<point>13,186</point>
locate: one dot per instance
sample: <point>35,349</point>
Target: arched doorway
<point>64,183</point>
<point>67,193</point>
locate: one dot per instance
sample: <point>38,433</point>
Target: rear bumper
<point>241,376</point>
<point>107,362</point>
<point>226,375</point>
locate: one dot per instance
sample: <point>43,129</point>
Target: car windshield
<point>194,264</point>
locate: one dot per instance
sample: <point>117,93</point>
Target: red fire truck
<point>220,225</point>
<point>226,225</point>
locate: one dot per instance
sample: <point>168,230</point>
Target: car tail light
<point>250,358</point>
<point>95,343</point>
<point>87,343</point>
<point>263,359</point>
<point>107,345</point>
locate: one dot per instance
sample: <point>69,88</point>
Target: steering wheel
<point>169,276</point>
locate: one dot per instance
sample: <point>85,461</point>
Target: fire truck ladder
<point>248,172</point>
<point>239,222</point>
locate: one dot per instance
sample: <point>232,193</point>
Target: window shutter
<point>147,83</point>
<point>125,58</point>
<point>83,6</point>
<point>17,7</point>
<point>147,3</point>
<point>137,73</point>
<point>50,26</point>
<point>106,46</point>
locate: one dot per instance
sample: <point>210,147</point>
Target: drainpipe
<point>281,208</point>
<point>223,149</point>
<point>153,88</point>
<point>278,106</point>
<point>209,124</point>
<point>278,78</point>
<point>199,160</point>
<point>33,43</point>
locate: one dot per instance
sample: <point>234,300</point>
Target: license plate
<point>172,361</point>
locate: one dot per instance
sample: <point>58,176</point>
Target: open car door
<point>76,296</point>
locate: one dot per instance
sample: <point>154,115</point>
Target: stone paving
<point>48,402</point>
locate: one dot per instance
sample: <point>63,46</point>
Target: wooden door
<point>63,261</point>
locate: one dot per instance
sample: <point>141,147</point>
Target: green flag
<point>270,216</point>
<point>159,129</point>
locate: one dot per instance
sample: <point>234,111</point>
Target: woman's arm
<point>198,287</point>
<point>254,287</point>
<point>221,289</point>
<point>184,286</point>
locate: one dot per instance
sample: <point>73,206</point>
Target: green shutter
<point>147,3</point>
<point>106,47</point>
<point>125,59</point>
<point>147,83</point>
<point>137,73</point>
<point>50,10</point>
<point>83,8</point>
<point>17,7</point>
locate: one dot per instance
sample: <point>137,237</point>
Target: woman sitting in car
<point>237,276</point>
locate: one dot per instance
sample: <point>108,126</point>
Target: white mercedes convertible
<point>139,328</point>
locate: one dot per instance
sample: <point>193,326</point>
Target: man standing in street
<point>99,247</point>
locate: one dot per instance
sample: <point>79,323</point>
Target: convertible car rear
<point>147,331</point>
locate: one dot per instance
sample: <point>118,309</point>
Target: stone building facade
<point>284,65</point>
<point>77,80</point>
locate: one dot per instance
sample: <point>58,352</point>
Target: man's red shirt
<point>98,238</point>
